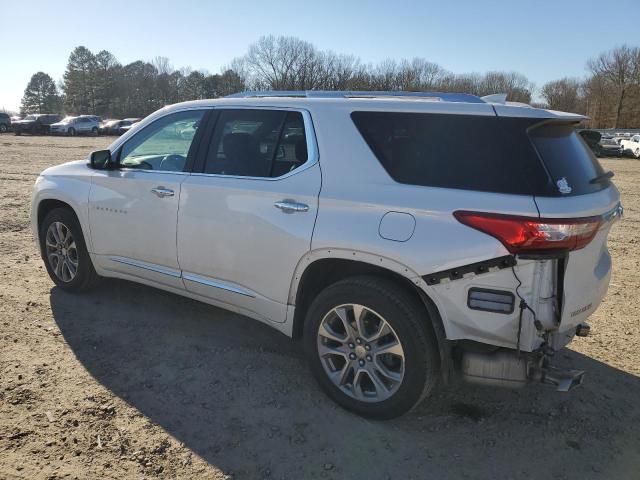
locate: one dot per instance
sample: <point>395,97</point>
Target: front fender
<point>69,190</point>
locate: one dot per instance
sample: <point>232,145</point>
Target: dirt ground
<point>131,382</point>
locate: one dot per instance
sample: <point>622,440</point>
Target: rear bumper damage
<point>508,368</point>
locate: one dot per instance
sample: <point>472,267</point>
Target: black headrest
<point>239,145</point>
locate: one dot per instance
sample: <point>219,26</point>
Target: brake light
<point>527,234</point>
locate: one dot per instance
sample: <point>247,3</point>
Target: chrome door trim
<point>218,284</point>
<point>291,206</point>
<point>162,192</point>
<point>313,154</point>
<point>147,266</point>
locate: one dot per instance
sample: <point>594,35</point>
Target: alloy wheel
<point>361,353</point>
<point>61,250</point>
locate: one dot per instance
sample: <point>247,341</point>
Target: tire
<point>94,131</point>
<point>85,276</point>
<point>636,153</point>
<point>415,374</point>
<point>3,128</point>
<point>71,132</point>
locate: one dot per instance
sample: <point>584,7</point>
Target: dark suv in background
<point>36,123</point>
<point>5,122</point>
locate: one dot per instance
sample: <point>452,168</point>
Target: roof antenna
<point>500,98</point>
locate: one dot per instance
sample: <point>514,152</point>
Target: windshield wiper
<point>601,178</point>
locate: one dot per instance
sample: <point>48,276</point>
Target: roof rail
<point>442,96</point>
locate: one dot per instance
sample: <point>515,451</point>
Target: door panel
<point>134,209</point>
<point>133,229</point>
<point>231,236</point>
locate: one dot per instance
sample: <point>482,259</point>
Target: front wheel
<point>3,128</point>
<point>64,251</point>
<point>636,153</point>
<point>94,132</point>
<point>371,346</point>
<point>71,132</point>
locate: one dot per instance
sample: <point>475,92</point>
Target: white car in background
<point>402,237</point>
<point>71,126</point>
<point>631,146</point>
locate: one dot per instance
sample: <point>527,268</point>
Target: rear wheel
<point>94,131</point>
<point>3,128</point>
<point>371,347</point>
<point>64,251</point>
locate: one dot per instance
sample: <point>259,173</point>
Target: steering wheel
<point>144,165</point>
<point>173,163</point>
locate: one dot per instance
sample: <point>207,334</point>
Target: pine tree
<point>80,82</point>
<point>41,95</point>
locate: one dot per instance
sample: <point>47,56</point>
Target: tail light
<point>526,234</point>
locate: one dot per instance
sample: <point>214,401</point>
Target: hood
<point>59,124</point>
<point>22,122</point>
<point>74,168</point>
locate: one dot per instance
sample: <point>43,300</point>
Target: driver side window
<point>163,145</point>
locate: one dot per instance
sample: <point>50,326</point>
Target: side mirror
<point>100,160</point>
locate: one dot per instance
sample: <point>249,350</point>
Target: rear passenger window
<point>485,153</point>
<point>257,143</point>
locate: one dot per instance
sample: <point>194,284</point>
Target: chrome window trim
<point>313,154</point>
<point>217,284</point>
<point>147,266</point>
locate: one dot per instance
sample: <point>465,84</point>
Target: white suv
<point>402,237</point>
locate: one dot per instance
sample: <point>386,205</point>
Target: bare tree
<point>620,67</point>
<point>564,94</point>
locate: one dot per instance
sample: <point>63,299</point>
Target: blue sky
<point>544,40</point>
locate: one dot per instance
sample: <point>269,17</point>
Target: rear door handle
<point>291,206</point>
<point>161,192</point>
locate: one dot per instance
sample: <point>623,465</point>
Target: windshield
<point>67,119</point>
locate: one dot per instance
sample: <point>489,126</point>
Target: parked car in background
<point>607,147</point>
<point>70,126</point>
<point>127,124</point>
<point>106,125</point>
<point>112,127</point>
<point>35,124</point>
<point>592,139</point>
<point>631,145</point>
<point>5,122</point>
<point>413,253</point>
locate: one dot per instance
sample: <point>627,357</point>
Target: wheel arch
<point>319,269</point>
<point>46,205</point>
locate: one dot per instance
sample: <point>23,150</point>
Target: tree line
<point>97,83</point>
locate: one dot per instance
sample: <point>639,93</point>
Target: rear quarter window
<point>483,153</point>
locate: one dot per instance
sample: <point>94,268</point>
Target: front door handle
<point>290,206</point>
<point>161,192</point>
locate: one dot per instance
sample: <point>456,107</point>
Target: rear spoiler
<point>519,109</point>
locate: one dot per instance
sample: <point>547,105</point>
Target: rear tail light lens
<point>526,234</point>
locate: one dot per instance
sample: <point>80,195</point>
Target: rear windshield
<point>485,153</point>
